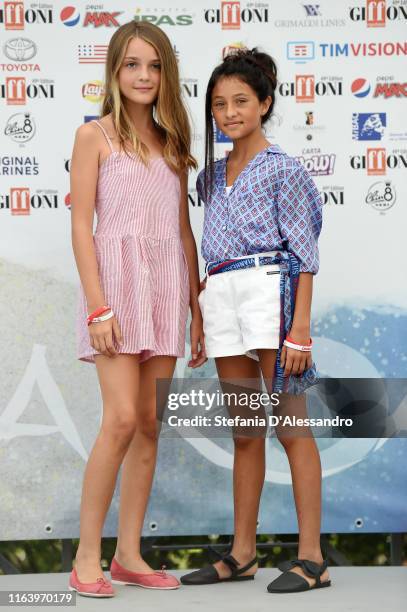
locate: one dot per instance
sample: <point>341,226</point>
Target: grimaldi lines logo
<point>231,15</point>
<point>375,13</point>
<point>19,201</point>
<point>376,161</point>
<point>16,91</point>
<point>14,15</point>
<point>305,88</point>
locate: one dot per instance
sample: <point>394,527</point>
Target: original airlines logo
<point>93,91</point>
<point>368,126</point>
<point>305,88</point>
<point>164,16</point>
<point>381,196</point>
<point>231,15</point>
<point>16,91</point>
<point>14,16</point>
<point>376,12</point>
<point>20,127</point>
<point>376,161</point>
<point>316,162</point>
<point>70,17</point>
<point>19,165</point>
<point>20,202</point>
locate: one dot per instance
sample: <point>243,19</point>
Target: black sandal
<point>291,582</point>
<point>209,575</point>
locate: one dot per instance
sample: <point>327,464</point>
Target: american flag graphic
<point>92,54</point>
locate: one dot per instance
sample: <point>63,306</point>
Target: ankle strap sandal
<point>209,575</point>
<point>291,582</point>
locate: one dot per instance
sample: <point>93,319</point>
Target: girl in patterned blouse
<point>261,226</point>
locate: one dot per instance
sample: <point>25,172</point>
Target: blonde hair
<point>170,113</point>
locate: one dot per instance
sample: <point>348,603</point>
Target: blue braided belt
<point>289,275</point>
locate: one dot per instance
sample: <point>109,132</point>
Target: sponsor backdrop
<point>341,103</point>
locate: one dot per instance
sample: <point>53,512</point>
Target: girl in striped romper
<point>139,276</point>
<point>261,226</point>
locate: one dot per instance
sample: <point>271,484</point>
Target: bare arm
<point>188,242</point>
<point>84,175</point>
<point>189,245</point>
<point>293,361</point>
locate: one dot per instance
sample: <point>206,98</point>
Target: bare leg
<point>119,381</point>
<point>306,475</point>
<point>139,464</point>
<point>248,473</point>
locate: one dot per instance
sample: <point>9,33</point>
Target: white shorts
<point>241,311</point>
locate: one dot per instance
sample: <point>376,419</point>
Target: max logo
<point>37,372</point>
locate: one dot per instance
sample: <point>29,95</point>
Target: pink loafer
<point>157,580</point>
<point>100,588</point>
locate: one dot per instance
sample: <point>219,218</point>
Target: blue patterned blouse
<point>273,205</point>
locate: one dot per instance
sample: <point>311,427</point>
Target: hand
<point>197,342</point>
<point>293,361</point>
<point>102,335</point>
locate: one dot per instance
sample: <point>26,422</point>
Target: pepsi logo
<point>360,88</point>
<point>70,16</point>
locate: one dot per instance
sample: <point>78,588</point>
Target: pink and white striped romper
<point>142,265</point>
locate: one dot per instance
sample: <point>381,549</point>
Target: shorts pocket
<point>201,299</point>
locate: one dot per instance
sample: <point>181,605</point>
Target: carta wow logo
<point>376,12</point>
<point>70,16</point>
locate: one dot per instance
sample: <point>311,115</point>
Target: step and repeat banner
<point>340,110</point>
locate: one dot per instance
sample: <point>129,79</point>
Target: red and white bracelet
<point>305,348</point>
<point>97,315</point>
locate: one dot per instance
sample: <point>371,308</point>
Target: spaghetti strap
<point>105,133</point>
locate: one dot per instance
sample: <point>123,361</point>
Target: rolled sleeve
<point>299,209</point>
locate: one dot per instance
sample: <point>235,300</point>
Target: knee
<point>121,427</point>
<point>148,427</point>
<point>248,444</point>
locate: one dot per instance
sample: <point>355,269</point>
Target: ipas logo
<point>305,88</point>
<point>375,13</point>
<point>16,91</point>
<point>376,161</point>
<point>20,127</point>
<point>368,126</point>
<point>14,16</point>
<point>231,15</point>
<point>20,202</point>
<point>381,196</point>
<point>163,17</point>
